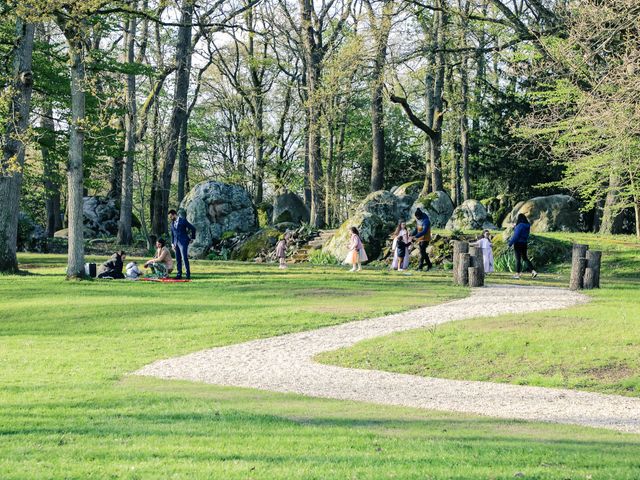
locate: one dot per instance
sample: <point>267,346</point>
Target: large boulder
<point>216,208</point>
<point>289,207</point>
<point>100,217</point>
<point>256,245</point>
<point>375,218</point>
<point>32,237</point>
<point>470,215</point>
<point>437,205</point>
<point>548,214</point>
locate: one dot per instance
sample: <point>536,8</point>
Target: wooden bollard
<point>477,261</point>
<point>589,278</point>
<point>475,277</point>
<point>577,269</point>
<point>458,248</point>
<point>594,259</point>
<point>577,273</point>
<point>464,259</point>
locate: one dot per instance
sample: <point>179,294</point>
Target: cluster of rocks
<point>379,213</point>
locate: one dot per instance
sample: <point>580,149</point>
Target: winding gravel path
<point>285,364</point>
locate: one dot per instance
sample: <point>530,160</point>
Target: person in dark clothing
<point>182,234</point>
<point>112,268</point>
<point>422,235</point>
<point>518,241</point>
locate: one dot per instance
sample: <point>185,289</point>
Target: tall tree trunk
<point>313,58</point>
<point>183,161</point>
<point>51,172</point>
<point>178,115</point>
<point>464,129</point>
<point>125,236</point>
<point>611,218</point>
<point>117,163</point>
<point>438,113</point>
<point>13,151</point>
<point>75,178</point>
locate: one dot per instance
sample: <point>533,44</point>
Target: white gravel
<point>285,364</point>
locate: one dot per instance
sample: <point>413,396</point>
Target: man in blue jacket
<point>422,234</point>
<point>518,241</point>
<point>182,234</point>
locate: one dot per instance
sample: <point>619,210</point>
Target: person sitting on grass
<point>162,264</point>
<point>112,268</point>
<point>133,271</point>
<point>519,241</point>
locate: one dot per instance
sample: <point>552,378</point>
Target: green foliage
<point>542,251</point>
<point>318,257</point>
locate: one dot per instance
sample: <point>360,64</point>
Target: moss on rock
<point>256,244</point>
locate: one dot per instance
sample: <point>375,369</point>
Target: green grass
<point>69,410</point>
<point>594,347</point>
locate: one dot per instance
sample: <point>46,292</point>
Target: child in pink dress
<point>281,251</point>
<point>356,254</point>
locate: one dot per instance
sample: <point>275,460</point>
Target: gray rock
<point>470,215</point>
<point>100,217</point>
<point>437,205</point>
<point>548,214</point>
<point>375,218</point>
<point>32,237</point>
<point>215,208</point>
<point>289,207</point>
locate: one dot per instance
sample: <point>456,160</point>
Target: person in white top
<point>484,243</point>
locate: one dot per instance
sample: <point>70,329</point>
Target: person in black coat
<point>112,268</point>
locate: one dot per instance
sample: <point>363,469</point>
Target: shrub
<point>542,252</point>
<point>318,257</point>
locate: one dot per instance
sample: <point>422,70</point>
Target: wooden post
<point>594,259</point>
<point>577,270</point>
<point>464,259</point>
<point>458,248</point>
<point>475,277</point>
<point>589,278</point>
<point>577,273</point>
<point>477,260</point>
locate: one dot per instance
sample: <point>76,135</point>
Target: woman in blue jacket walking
<point>519,241</point>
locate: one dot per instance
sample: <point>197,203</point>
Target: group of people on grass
<point>183,233</point>
<point>161,265</point>
<point>421,235</point>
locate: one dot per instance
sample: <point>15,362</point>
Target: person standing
<point>356,254</point>
<point>182,234</point>
<point>484,243</point>
<point>422,234</point>
<point>519,241</point>
<point>281,251</point>
<point>400,248</point>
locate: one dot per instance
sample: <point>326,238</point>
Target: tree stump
<point>475,277</point>
<point>464,260</point>
<point>589,278</point>
<point>458,248</point>
<point>477,261</point>
<point>577,273</point>
<point>594,259</point>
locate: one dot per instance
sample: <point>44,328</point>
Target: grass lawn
<point>593,347</point>
<point>68,409</point>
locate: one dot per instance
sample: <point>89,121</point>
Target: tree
<point>13,143</point>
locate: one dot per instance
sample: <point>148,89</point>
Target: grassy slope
<point>68,410</point>
<point>592,347</point>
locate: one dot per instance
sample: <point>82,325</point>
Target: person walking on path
<point>112,268</point>
<point>518,241</point>
<point>422,234</point>
<point>182,234</point>
<point>356,254</point>
<point>484,243</point>
<point>400,248</point>
<point>161,264</point>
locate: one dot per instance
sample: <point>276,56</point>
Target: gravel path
<point>285,364</point>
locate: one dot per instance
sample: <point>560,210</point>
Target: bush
<point>542,252</point>
<point>318,257</point>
